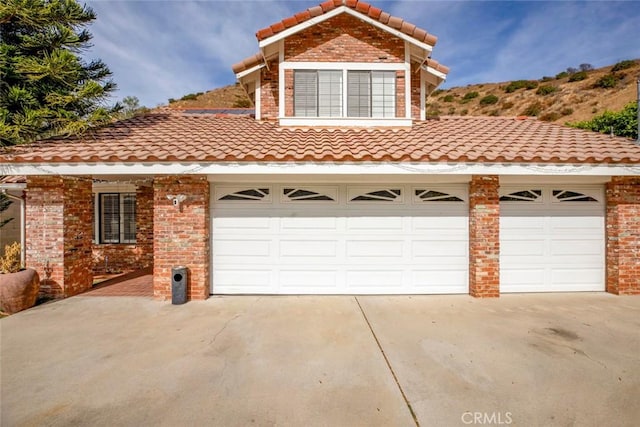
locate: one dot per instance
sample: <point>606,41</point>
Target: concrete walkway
<point>529,360</point>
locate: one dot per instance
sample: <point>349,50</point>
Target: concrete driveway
<point>561,359</point>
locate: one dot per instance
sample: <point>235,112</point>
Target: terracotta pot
<point>19,291</point>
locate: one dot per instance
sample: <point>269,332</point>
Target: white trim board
<point>317,168</point>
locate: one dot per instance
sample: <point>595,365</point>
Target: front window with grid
<point>117,217</point>
<point>321,93</point>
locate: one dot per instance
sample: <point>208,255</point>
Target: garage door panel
<point>524,276</point>
<point>390,279</point>
<point>244,248</point>
<point>436,249</point>
<point>522,225</point>
<point>308,248</point>
<point>440,278</point>
<point>241,224</point>
<point>339,247</point>
<point>241,278</point>
<point>552,245</point>
<point>375,224</point>
<point>577,276</point>
<point>312,280</point>
<point>308,223</point>
<point>357,249</point>
<point>518,247</point>
<point>574,248</point>
<point>440,224</point>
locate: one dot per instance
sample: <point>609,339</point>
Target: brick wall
<point>269,98</point>
<point>59,232</point>
<point>344,38</point>
<point>117,258</point>
<point>484,236</point>
<point>181,235</point>
<point>623,235</point>
<point>415,92</point>
<point>401,102</point>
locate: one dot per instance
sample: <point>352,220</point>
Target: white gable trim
<point>340,168</point>
<point>435,72</point>
<point>245,73</point>
<point>335,12</point>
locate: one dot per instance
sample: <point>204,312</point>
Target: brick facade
<point>415,92</point>
<point>343,38</point>
<point>269,97</point>
<point>623,235</point>
<point>181,234</point>
<point>118,258</point>
<point>59,232</point>
<point>484,236</point>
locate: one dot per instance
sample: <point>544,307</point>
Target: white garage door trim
<point>552,238</point>
<point>339,239</point>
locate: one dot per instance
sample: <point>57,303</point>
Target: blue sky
<point>165,49</point>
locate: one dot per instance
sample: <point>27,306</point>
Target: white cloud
<point>163,49</point>
<point>159,50</point>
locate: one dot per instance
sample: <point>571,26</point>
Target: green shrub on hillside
<point>489,100</point>
<point>532,109</point>
<point>562,75</point>
<point>579,76</point>
<point>519,84</point>
<point>608,81</point>
<point>546,90</point>
<point>470,95</point>
<point>437,92</point>
<point>623,65</point>
<point>448,98</point>
<point>621,123</point>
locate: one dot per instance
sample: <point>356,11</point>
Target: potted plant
<point>18,286</point>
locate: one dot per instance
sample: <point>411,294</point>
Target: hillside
<point>567,97</point>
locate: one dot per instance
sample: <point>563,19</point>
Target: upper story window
<point>321,93</point>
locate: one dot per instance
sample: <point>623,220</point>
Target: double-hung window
<point>117,217</point>
<point>321,93</point>
<point>318,93</point>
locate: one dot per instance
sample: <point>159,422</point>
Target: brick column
<point>181,234</point>
<point>58,233</point>
<point>484,236</point>
<point>144,226</point>
<point>623,236</point>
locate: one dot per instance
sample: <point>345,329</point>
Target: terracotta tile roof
<point>362,7</point>
<point>357,5</point>
<point>175,137</point>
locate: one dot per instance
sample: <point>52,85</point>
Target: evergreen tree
<point>46,88</point>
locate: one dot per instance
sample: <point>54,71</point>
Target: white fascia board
<point>251,70</point>
<point>346,168</point>
<point>335,12</point>
<point>339,122</point>
<point>356,66</point>
<point>438,74</point>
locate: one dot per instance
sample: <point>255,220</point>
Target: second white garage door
<point>339,239</point>
<point>552,238</point>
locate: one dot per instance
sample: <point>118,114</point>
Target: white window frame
<point>405,121</point>
<point>122,220</point>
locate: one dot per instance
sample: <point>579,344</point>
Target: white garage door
<point>339,239</point>
<point>551,238</point>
